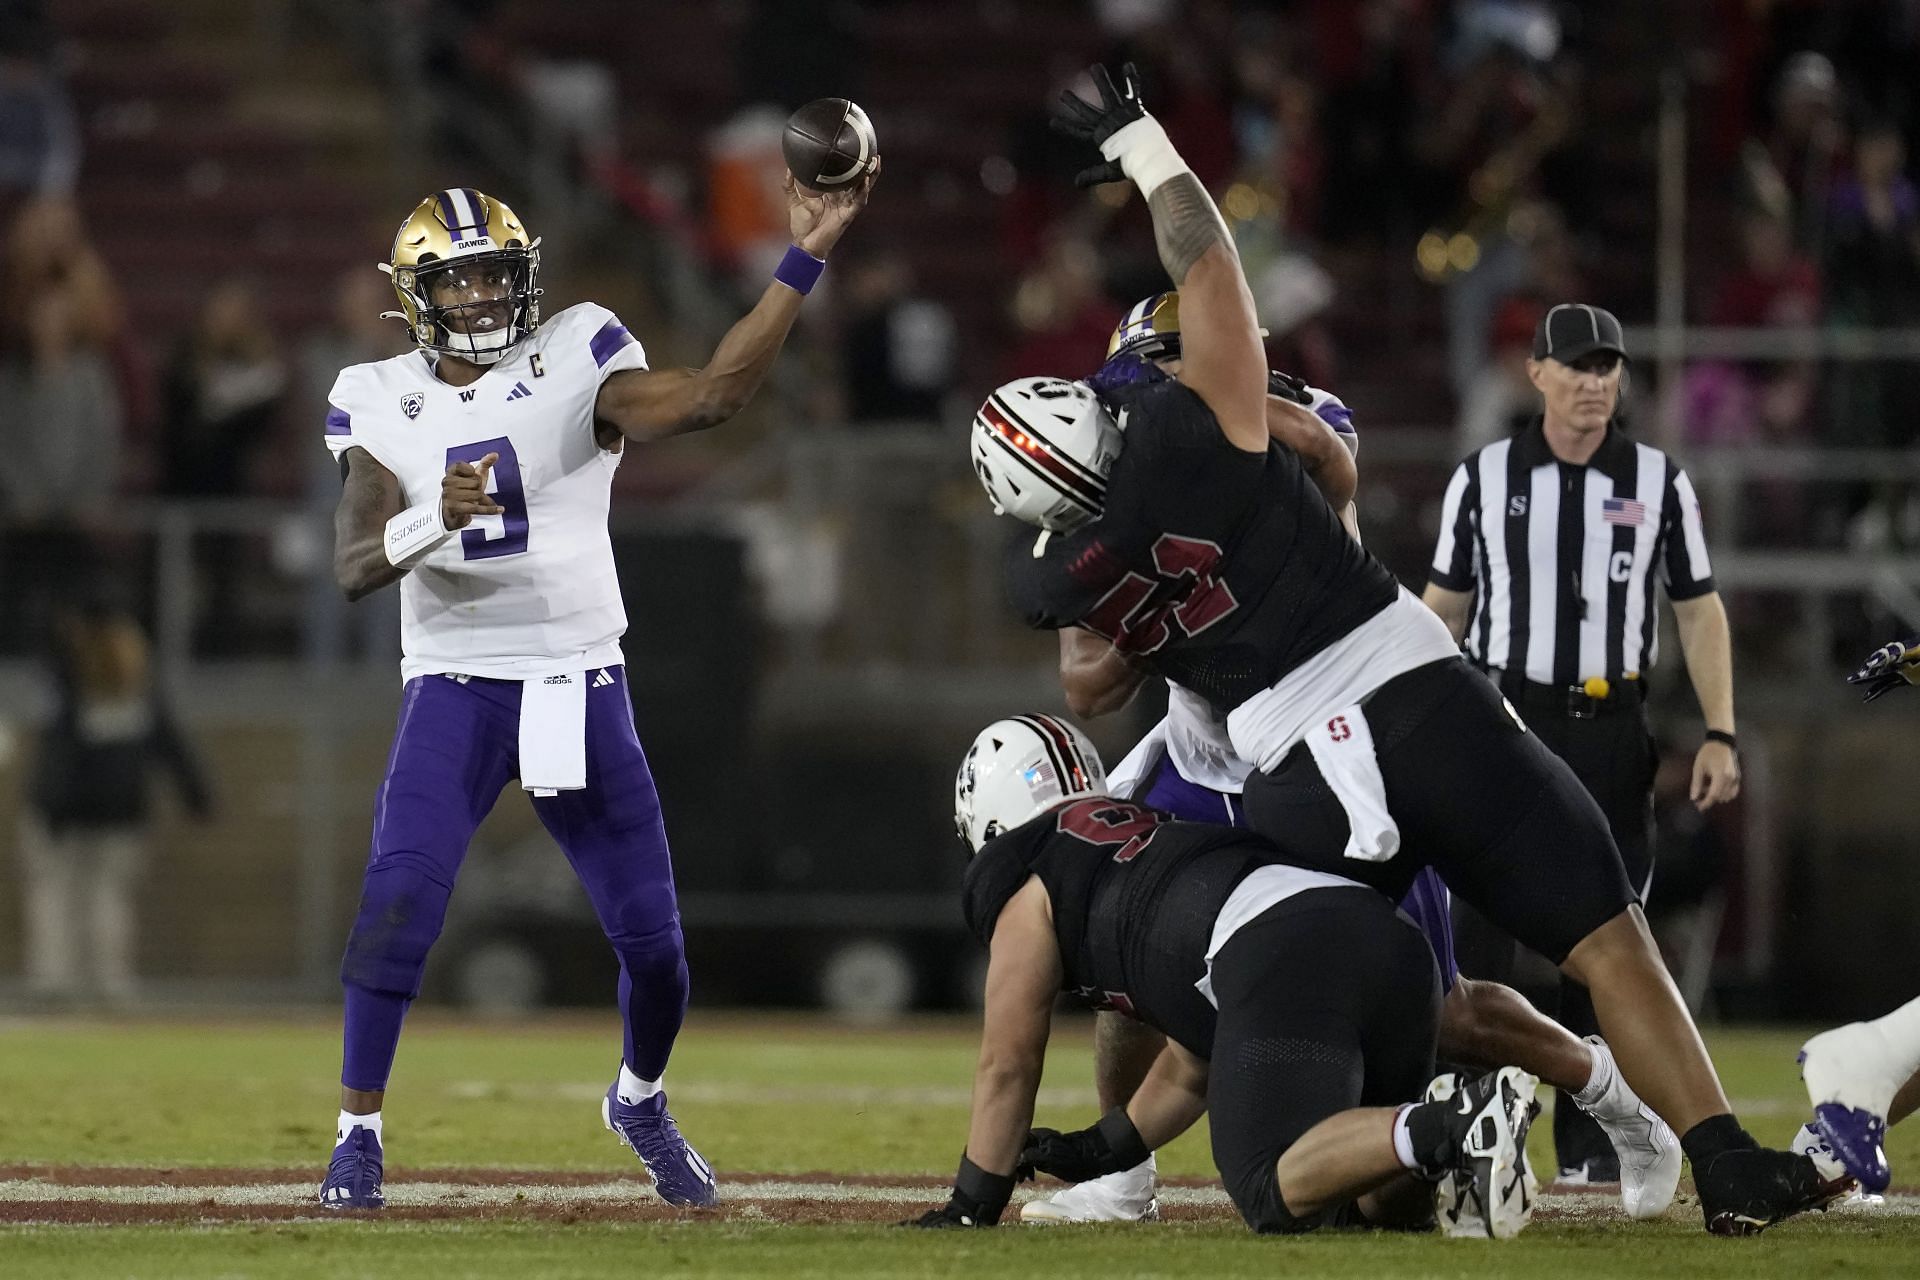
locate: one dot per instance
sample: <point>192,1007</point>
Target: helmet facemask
<point>468,336</point>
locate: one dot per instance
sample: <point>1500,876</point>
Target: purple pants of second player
<point>1427,903</point>
<point>457,747</point>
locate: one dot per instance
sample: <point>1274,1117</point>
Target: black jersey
<point>1222,569</point>
<point>1135,895</point>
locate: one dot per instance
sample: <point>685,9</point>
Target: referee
<point>1550,544</point>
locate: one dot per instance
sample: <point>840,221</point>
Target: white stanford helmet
<point>1019,768</point>
<point>1042,448</point>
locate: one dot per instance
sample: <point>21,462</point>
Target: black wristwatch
<point>1721,735</point>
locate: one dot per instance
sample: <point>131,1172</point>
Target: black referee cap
<point>1574,329</point>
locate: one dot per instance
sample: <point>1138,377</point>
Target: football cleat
<point>355,1173</point>
<point>1126,1196</point>
<point>1497,1187</point>
<point>1648,1158</point>
<point>1745,1190</point>
<point>679,1174</point>
<point>1851,1083</point>
<point>1838,1182</point>
<point>1452,1189</point>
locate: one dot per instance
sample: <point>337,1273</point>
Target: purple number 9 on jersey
<point>507,491</point>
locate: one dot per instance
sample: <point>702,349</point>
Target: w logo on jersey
<point>519,391</point>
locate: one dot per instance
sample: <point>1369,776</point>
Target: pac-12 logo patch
<point>412,403</point>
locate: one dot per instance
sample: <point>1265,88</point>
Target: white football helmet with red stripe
<point>1042,448</point>
<point>1019,768</point>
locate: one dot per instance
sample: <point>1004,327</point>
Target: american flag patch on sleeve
<point>1623,511</point>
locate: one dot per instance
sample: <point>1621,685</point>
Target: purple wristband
<point>799,270</point>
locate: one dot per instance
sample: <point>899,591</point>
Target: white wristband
<point>1145,152</point>
<point>414,533</point>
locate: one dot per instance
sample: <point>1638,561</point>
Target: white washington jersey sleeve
<point>532,591</point>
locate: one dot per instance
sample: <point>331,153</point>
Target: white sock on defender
<point>349,1122</point>
<point>632,1088</point>
<point>1901,1030</point>
<point>1600,1076</point>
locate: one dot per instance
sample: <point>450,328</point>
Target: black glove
<point>1887,668</point>
<point>1077,118</point>
<point>1110,1146</point>
<point>1289,387</point>
<point>978,1200</point>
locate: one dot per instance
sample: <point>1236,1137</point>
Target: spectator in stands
<point>356,334</point>
<point>60,410</point>
<point>83,841</point>
<point>223,392</point>
<point>39,138</point>
<point>1796,159</point>
<point>1873,274</point>
<point>1500,399</point>
<point>1063,317</point>
<point>746,209</point>
<point>1529,253</point>
<point>900,347</point>
<point>1775,285</point>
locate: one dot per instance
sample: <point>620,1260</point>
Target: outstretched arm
<point>651,404</point>
<point>1222,360</point>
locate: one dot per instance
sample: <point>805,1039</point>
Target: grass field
<point>192,1149</point>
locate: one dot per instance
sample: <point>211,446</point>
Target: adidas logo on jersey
<point>558,680</point>
<point>519,391</point>
<point>602,679</point>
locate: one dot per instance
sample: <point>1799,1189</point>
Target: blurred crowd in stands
<point>1410,181</point>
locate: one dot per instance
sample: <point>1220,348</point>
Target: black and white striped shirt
<point>1561,559</point>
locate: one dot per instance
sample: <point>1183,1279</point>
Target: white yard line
<point>450,1195</point>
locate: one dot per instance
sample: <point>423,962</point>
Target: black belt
<point>1572,701</point>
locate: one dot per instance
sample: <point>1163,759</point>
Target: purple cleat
<point>1852,1074</point>
<point>1858,1140</point>
<point>355,1173</point>
<point>679,1174</point>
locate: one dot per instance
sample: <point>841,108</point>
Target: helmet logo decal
<point>412,403</point>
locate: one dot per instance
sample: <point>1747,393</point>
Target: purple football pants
<point>457,747</point>
<point>1427,902</point>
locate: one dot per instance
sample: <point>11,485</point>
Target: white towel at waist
<point>1342,745</point>
<point>553,733</point>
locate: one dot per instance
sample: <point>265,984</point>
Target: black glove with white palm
<point>1131,140</point>
<point>1887,668</point>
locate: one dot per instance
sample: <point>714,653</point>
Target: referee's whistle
<point>1596,687</point>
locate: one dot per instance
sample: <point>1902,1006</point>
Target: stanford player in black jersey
<point>1204,553</point>
<point>1206,934</point>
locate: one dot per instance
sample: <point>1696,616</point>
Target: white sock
<point>1600,1077</point>
<point>1402,1140</point>
<point>1901,1030</point>
<point>349,1122</point>
<point>632,1088</point>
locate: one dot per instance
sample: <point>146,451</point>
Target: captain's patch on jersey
<point>412,403</point>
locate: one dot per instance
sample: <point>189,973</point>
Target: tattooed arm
<point>1222,359</point>
<point>371,498</point>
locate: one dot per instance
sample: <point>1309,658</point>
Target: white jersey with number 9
<point>532,591</point>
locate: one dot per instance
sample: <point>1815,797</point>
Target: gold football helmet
<point>476,253</point>
<point>1150,329</point>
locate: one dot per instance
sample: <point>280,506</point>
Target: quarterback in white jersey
<point>529,591</point>
<point>478,471</point>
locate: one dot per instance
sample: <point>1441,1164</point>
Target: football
<point>829,144</point>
